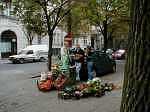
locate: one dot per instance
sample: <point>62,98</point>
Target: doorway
<point>8,43</point>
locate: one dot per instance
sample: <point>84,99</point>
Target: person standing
<point>64,62</point>
<point>79,60</point>
<point>90,62</point>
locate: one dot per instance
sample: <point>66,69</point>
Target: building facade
<point>12,37</point>
<point>58,40</point>
<point>91,38</point>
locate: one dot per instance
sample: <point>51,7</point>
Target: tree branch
<point>59,19</point>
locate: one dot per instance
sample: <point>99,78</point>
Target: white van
<point>30,54</point>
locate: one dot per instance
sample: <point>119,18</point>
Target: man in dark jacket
<point>90,62</point>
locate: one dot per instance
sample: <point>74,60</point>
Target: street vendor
<point>79,60</point>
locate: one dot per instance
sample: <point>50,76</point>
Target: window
<point>30,52</point>
<point>85,41</point>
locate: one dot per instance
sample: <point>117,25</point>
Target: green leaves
<point>1,6</point>
<point>29,13</point>
<point>111,11</point>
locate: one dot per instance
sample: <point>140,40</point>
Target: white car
<point>30,54</point>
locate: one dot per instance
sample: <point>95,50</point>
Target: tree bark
<point>30,38</point>
<point>39,39</point>
<point>69,19</point>
<point>110,40</point>
<point>105,35</point>
<point>136,88</point>
<point>50,34</point>
<point>29,41</point>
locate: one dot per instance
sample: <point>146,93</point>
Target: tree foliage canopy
<point>49,13</point>
<point>31,17</point>
<point>111,11</point>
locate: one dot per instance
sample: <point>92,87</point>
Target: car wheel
<point>14,62</point>
<point>42,59</point>
<point>33,60</point>
<point>114,68</point>
<point>21,61</point>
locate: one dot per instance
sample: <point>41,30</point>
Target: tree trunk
<point>136,89</point>
<point>110,40</point>
<point>92,42</point>
<point>105,35</point>
<point>39,39</point>
<point>50,33</point>
<point>69,19</point>
<point>29,41</point>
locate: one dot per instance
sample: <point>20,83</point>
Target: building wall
<point>58,38</point>
<point>86,40</point>
<point>98,41</point>
<point>11,24</point>
<point>8,22</point>
<point>83,40</point>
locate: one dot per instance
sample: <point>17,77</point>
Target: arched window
<point>8,44</point>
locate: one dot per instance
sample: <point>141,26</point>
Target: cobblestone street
<point>18,92</point>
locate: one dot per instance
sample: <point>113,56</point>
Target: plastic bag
<point>43,76</point>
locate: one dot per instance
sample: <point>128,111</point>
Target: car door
<point>100,65</point>
<point>103,64</point>
<point>30,55</point>
<point>108,64</point>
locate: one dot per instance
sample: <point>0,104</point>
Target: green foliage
<point>31,17</point>
<point>111,11</point>
<point>79,23</point>
<point>53,12</point>
<point>95,12</point>
<point>42,13</point>
<point>1,6</point>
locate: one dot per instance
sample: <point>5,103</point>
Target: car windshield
<point>23,52</point>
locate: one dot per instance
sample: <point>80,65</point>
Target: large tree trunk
<point>69,19</point>
<point>29,41</point>
<point>136,89</point>
<point>105,35</point>
<point>50,33</point>
<point>29,38</point>
<point>110,40</point>
<point>39,39</point>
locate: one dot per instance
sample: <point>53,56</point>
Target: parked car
<point>30,54</point>
<point>110,52</point>
<point>119,54</point>
<point>104,64</point>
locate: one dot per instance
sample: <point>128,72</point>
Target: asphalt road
<point>18,92</point>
